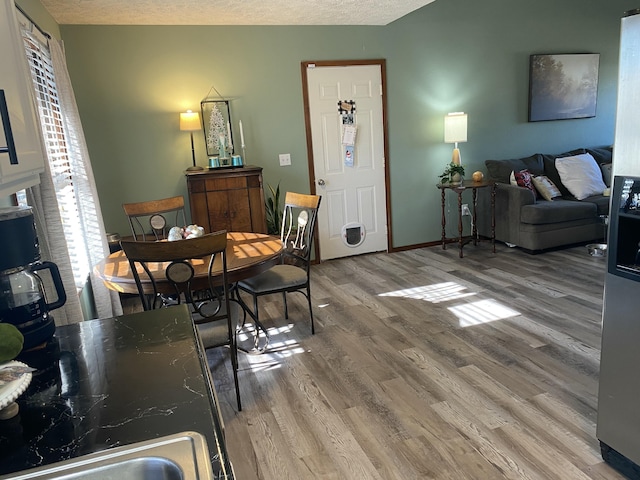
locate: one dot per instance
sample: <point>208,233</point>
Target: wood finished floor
<point>426,366</point>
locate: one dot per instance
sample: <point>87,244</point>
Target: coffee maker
<point>23,301</point>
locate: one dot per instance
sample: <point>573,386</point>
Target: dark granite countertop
<point>105,383</point>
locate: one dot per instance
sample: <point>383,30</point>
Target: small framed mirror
<point>216,123</point>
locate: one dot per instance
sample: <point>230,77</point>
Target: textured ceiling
<point>230,12</point>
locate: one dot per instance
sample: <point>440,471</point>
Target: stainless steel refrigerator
<point>618,428</point>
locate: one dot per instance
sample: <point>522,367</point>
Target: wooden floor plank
<point>486,442</point>
<point>529,418</point>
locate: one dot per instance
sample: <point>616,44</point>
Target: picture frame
<point>216,121</point>
<point>563,86</point>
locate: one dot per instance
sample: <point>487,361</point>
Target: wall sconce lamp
<point>190,122</point>
<point>455,130</point>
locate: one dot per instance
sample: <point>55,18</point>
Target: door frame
<point>385,134</point>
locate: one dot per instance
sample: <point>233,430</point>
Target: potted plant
<point>454,174</point>
<point>273,209</point>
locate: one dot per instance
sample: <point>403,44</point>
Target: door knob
<point>321,182</point>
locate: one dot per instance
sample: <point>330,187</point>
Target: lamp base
<point>455,157</point>
<point>195,168</point>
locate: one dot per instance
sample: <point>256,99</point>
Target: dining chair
<point>214,313</point>
<point>292,275</point>
<point>153,214</point>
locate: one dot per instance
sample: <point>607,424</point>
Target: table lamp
<point>190,122</point>
<point>455,130</point>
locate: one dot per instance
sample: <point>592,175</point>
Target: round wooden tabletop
<point>248,254</point>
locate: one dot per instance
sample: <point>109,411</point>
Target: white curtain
<point>42,198</point>
<point>92,237</point>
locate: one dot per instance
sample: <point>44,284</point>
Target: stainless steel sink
<point>183,456</point>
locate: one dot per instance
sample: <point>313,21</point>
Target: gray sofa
<point>537,224</point>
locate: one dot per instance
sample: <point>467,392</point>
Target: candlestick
<point>221,148</point>
<point>241,136</point>
<point>230,144</point>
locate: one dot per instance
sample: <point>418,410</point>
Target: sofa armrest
<point>509,201</point>
<point>513,195</point>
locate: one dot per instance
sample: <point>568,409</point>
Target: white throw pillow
<point>581,175</point>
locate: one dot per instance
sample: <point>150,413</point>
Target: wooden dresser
<point>228,199</point>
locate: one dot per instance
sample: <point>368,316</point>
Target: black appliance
<point>23,300</point>
<point>624,248</point>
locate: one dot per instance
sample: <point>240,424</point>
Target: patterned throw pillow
<point>524,179</point>
<point>546,188</point>
<point>606,173</point>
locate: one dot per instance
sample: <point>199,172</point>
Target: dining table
<point>247,253</point>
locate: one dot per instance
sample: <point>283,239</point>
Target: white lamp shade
<point>455,127</point>
<point>190,121</point>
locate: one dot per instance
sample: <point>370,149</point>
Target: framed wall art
<point>216,120</point>
<point>563,86</point>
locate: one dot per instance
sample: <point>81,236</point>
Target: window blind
<point>56,143</point>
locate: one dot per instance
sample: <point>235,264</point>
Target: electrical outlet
<point>465,209</point>
<point>285,159</point>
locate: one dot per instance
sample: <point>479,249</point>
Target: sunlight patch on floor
<point>285,348</point>
<point>468,314</point>
<point>279,347</point>
<point>261,362</point>
<point>483,311</point>
<point>439,292</point>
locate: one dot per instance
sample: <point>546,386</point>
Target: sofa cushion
<point>581,175</point>
<point>500,170</point>
<point>601,202</point>
<point>558,211</point>
<point>546,188</point>
<point>601,154</point>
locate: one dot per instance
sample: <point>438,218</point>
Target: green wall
<point>457,55</point>
<point>131,82</point>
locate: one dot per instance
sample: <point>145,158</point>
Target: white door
<point>352,216</point>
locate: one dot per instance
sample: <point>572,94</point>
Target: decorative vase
<point>477,176</point>
<point>455,179</point>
